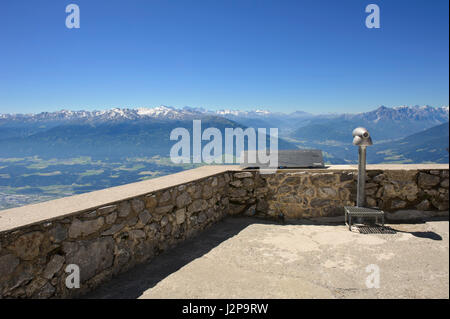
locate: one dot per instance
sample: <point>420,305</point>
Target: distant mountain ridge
<point>160,112</point>
<point>115,135</point>
<point>405,120</point>
<point>429,146</point>
<point>146,131</point>
<point>384,124</point>
<point>398,113</point>
<point>115,114</point>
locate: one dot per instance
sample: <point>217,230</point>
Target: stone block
<point>236,209</point>
<point>243,175</point>
<point>53,266</point>
<point>111,218</point>
<point>106,209</point>
<point>138,205</point>
<point>238,192</point>
<point>180,216</point>
<point>379,178</point>
<point>398,204</point>
<point>327,192</point>
<point>346,176</point>
<point>165,198</point>
<point>424,205</point>
<point>150,202</point>
<point>318,202</point>
<point>183,200</point>
<point>144,217</point>
<point>207,192</point>
<point>27,246</point>
<point>58,233</point>
<point>124,209</point>
<point>114,229</point>
<point>8,264</point>
<point>136,234</point>
<point>91,256</point>
<point>164,209</point>
<point>248,183</point>
<point>324,179</point>
<point>84,228</point>
<point>236,183</point>
<point>427,180</point>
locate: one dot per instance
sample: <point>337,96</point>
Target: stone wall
<point>322,193</point>
<point>106,241</point>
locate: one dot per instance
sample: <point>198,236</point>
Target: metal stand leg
<point>350,222</point>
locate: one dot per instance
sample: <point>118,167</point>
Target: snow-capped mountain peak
<point>156,111</point>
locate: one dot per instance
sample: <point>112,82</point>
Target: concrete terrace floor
<point>252,258</point>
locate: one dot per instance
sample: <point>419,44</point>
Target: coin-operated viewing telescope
<point>362,139</point>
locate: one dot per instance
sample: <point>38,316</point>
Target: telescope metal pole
<point>361,194</point>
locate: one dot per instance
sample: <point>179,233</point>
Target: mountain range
<point>145,131</point>
<point>429,146</point>
<point>115,134</point>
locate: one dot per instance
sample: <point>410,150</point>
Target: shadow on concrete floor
<point>426,234</point>
<point>132,284</point>
<point>375,229</point>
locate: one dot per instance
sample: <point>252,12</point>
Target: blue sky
<point>311,55</point>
